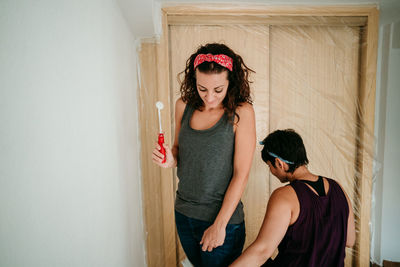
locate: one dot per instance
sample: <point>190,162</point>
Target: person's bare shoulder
<point>179,104</point>
<point>245,119</point>
<point>179,108</point>
<point>284,195</point>
<point>245,112</point>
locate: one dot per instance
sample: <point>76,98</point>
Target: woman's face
<point>212,87</point>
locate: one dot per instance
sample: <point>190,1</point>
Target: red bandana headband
<point>221,59</point>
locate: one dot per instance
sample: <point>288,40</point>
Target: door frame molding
<point>154,84</point>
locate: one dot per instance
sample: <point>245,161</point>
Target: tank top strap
<point>187,114</point>
<point>334,189</point>
<point>301,189</point>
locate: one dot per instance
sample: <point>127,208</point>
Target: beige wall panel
<point>251,43</point>
<point>314,90</point>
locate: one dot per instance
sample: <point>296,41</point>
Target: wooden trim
<point>157,183</point>
<point>254,10</point>
<point>366,154</point>
<point>167,184</point>
<point>266,19</point>
<point>150,174</point>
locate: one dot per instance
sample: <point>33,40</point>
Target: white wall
<point>386,211</point>
<point>390,244</point>
<point>69,166</point>
<point>385,242</point>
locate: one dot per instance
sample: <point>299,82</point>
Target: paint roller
<point>160,106</point>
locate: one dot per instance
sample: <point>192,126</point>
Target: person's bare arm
<point>276,222</point>
<point>245,143</point>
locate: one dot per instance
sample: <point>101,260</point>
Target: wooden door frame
<point>155,85</point>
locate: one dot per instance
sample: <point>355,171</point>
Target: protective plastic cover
<point>308,77</point>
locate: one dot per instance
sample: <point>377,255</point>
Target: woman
<point>213,149</point>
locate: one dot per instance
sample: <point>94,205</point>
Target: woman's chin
<point>212,105</point>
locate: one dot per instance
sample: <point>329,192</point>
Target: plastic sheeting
<point>310,76</point>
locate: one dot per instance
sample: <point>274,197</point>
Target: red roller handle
<point>161,142</point>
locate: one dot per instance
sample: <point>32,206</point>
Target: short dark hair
<point>287,145</point>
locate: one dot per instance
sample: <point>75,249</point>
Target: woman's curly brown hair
<point>239,84</point>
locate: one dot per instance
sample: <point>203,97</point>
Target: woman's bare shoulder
<point>180,106</point>
<point>245,111</point>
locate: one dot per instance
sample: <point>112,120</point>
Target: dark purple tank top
<point>318,237</point>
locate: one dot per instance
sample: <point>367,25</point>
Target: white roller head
<point>159,105</point>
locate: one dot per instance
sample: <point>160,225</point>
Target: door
<point>314,90</point>
<point>306,79</point>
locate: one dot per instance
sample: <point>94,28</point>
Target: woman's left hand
<point>213,237</point>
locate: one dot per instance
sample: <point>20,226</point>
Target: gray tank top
<point>205,169</point>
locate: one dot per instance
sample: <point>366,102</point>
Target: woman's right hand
<point>158,156</point>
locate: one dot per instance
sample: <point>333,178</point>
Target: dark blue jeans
<point>191,231</point>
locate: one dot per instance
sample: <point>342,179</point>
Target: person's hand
<point>158,156</point>
<point>213,237</point>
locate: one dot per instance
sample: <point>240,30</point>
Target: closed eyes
<point>218,89</point>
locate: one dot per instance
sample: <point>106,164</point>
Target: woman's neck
<point>212,109</point>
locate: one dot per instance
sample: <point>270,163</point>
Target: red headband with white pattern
<point>221,59</point>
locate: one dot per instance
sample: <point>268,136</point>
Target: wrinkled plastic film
<point>307,78</point>
<point>151,174</point>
